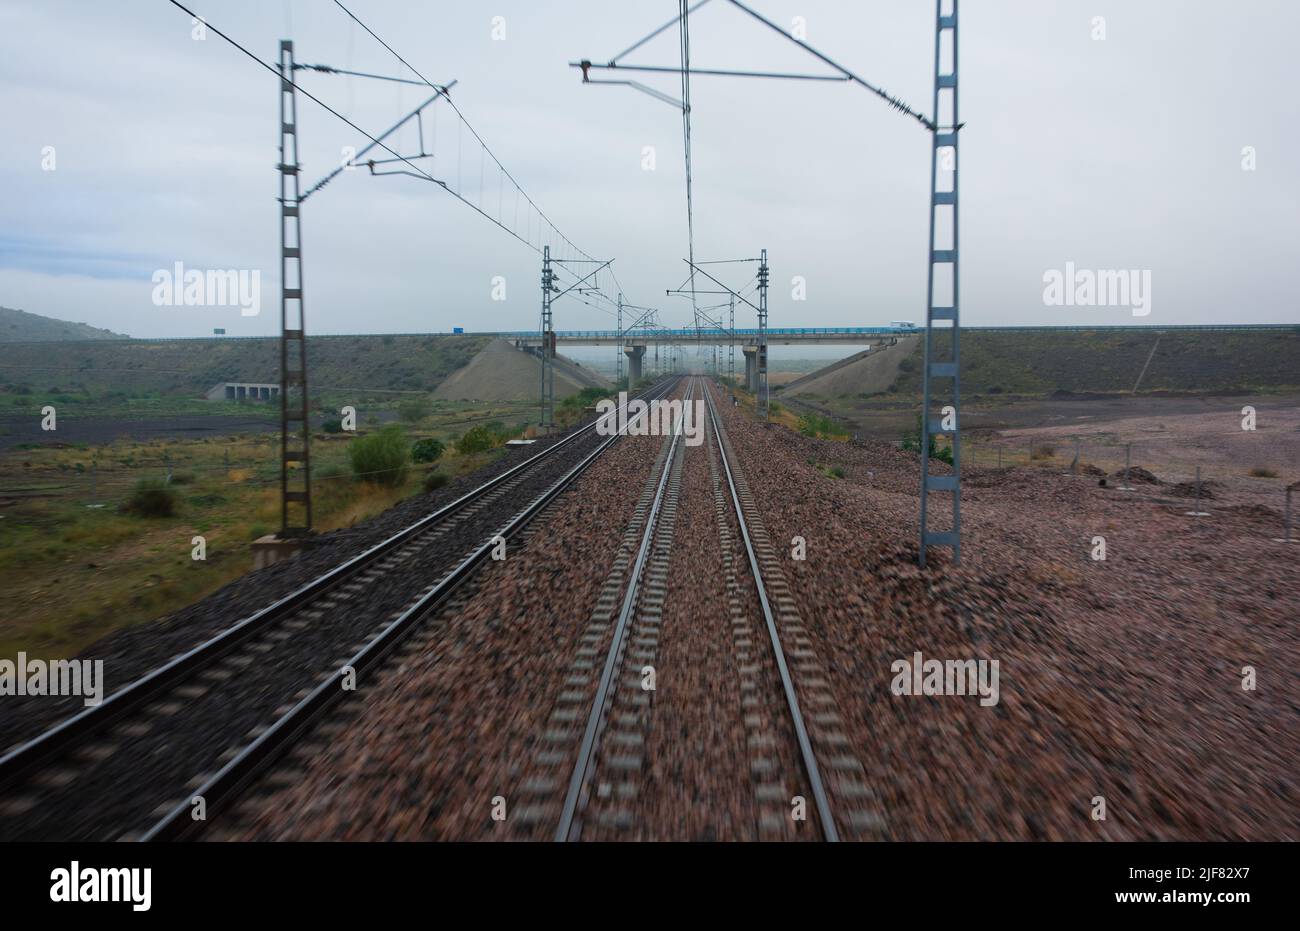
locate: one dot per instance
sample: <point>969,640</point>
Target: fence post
<point>1286,517</point>
<point>1288,513</point>
<point>1198,512</point>
<point>1128,462</point>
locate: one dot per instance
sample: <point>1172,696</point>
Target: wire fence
<point>1252,459</point>
<point>1248,469</point>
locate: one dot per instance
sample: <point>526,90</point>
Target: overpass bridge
<point>690,336</point>
<point>856,335</point>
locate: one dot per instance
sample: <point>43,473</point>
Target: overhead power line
<point>416,171</point>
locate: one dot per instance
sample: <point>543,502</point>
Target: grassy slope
<point>20,326</point>
<point>191,367</point>
<point>75,573</point>
<point>1105,361</point>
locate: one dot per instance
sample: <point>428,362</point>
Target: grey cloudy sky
<point>1117,154</point>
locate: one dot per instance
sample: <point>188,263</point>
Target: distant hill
<point>500,372</point>
<point>1039,364</point>
<point>190,367</point>
<point>18,326</point>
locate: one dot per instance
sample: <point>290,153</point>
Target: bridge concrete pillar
<point>634,356</point>
<point>751,368</point>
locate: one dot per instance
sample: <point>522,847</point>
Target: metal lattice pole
<point>619,343</point>
<point>945,370</point>
<point>761,354</point>
<point>548,341</point>
<point>295,484</point>
<point>731,330</point>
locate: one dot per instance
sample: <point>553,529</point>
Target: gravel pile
<point>1134,475</point>
<point>1206,489</point>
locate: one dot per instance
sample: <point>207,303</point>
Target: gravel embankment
<point>441,734</point>
<point>159,754</point>
<point>1119,678</point>
<point>137,650</point>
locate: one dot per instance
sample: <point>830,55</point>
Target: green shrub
<point>333,425</point>
<point>476,440</point>
<point>414,410</point>
<point>817,426</point>
<point>151,497</point>
<point>381,457</point>
<point>428,450</point>
<point>435,480</point>
<point>911,442</point>
<point>183,478</point>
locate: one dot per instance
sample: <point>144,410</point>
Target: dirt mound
<point>1136,474</point>
<point>1207,489</point>
<point>500,372</point>
<point>866,373</point>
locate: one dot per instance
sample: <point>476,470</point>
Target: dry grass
<point>76,568</point>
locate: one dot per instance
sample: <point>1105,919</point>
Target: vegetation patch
<point>820,427</point>
<point>151,497</point>
<point>382,457</point>
<point>429,449</point>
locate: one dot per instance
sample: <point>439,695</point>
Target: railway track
<point>844,802</point>
<point>610,727</point>
<point>205,724</point>
<point>617,722</point>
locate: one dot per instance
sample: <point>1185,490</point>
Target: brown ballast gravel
<point>1119,682</point>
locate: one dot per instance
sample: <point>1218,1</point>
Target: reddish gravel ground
<point>698,783</point>
<point>697,787</point>
<point>1119,678</point>
<point>455,725</point>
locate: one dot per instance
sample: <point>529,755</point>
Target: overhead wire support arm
<point>883,94</point>
<point>664,28</point>
<point>328,69</point>
<point>845,74</point>
<point>586,65</point>
<point>560,294</point>
<point>737,295</point>
<point>358,159</point>
<point>637,85</point>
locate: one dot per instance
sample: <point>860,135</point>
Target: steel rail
<point>586,761</point>
<point>218,791</point>
<point>20,761</point>
<point>824,815</point>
